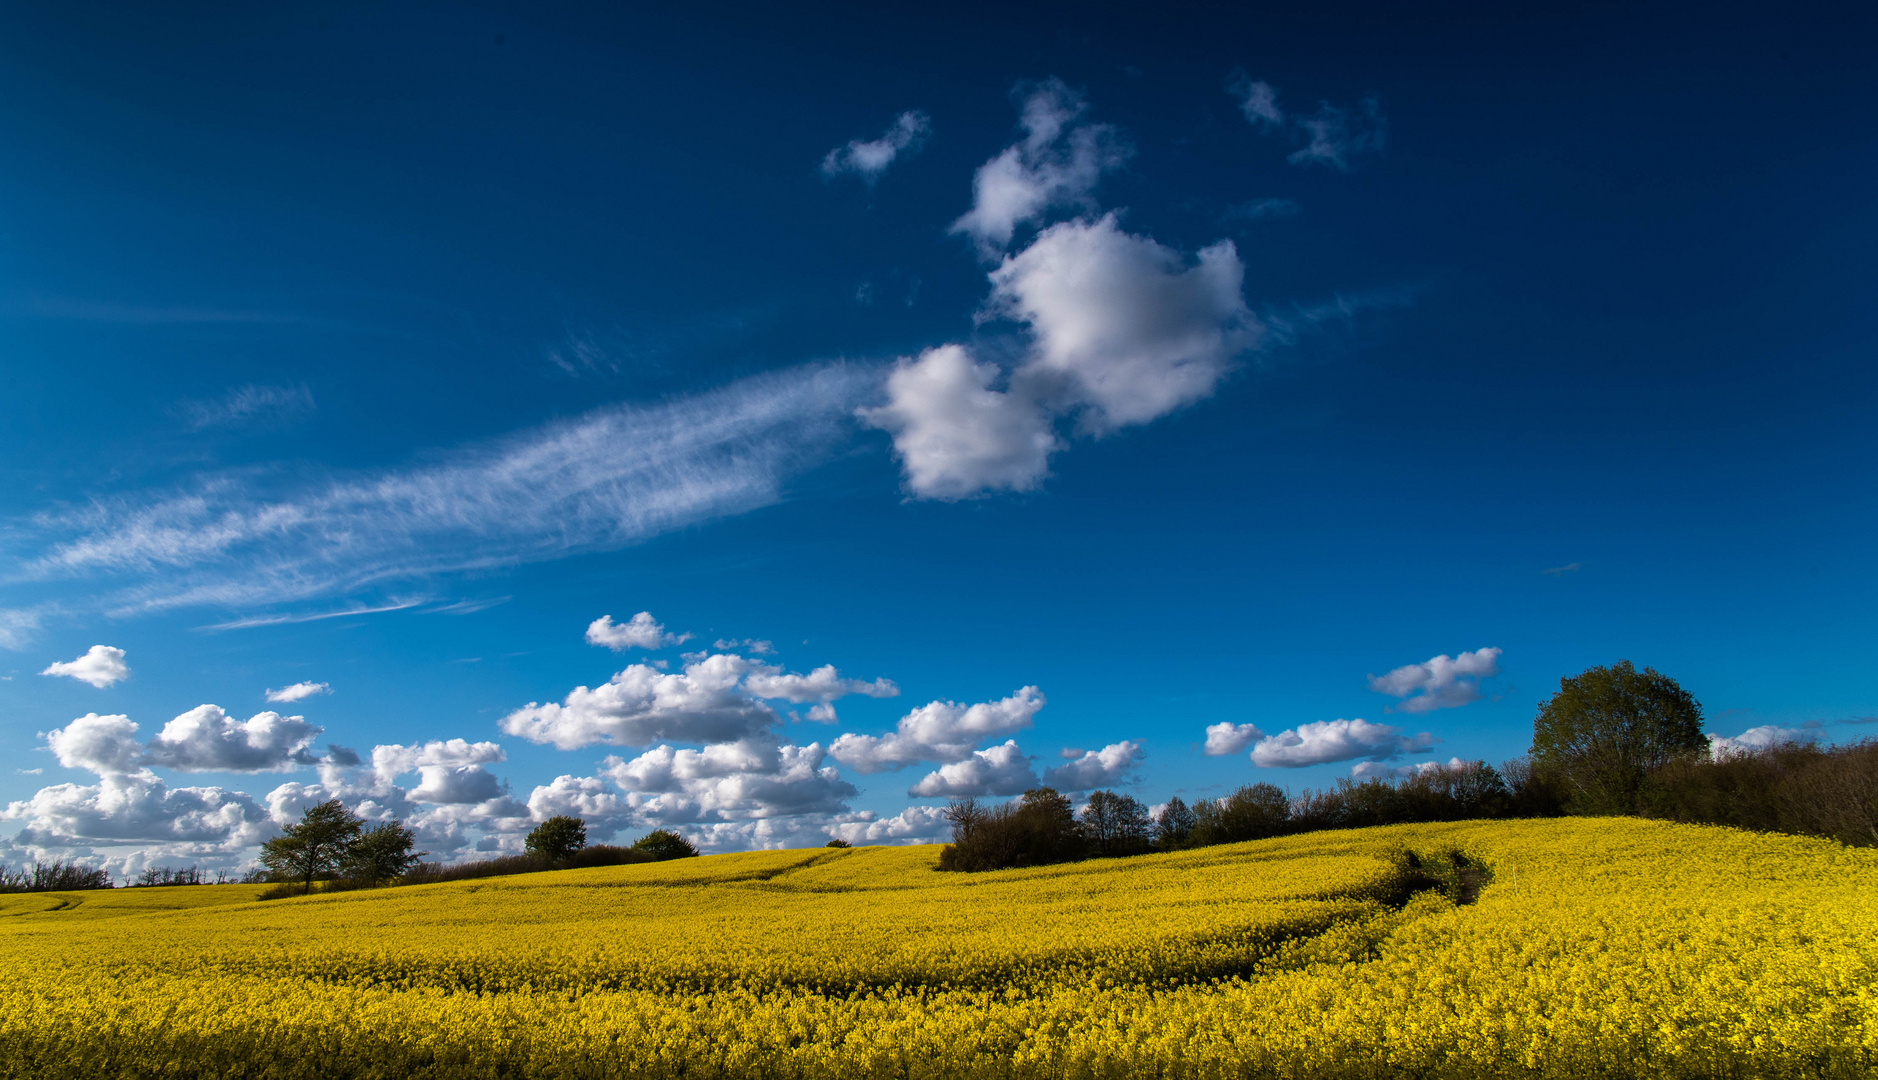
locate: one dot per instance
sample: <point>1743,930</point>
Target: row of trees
<point>55,876</point>
<point>1613,740</point>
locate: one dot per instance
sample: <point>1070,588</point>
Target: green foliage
<point>1605,730</point>
<point>382,852</point>
<point>665,844</point>
<point>838,842</point>
<point>317,845</point>
<point>557,838</point>
<point>1173,827</point>
<point>1253,812</point>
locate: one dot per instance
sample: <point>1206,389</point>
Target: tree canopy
<point>316,845</point>
<point>1607,729</point>
<point>557,838</point>
<point>666,844</point>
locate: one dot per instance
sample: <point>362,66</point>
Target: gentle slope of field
<point>1595,948</point>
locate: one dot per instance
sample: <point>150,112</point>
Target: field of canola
<point>1595,948</point>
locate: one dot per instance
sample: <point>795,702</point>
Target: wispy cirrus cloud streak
<point>613,477</point>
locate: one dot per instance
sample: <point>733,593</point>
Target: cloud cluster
<point>1110,766</point>
<point>1329,741</point>
<point>1331,136</point>
<point>299,691</point>
<point>716,698</point>
<point>101,666</point>
<point>1440,683</point>
<point>998,770</point>
<point>869,158</point>
<point>939,731</point>
<point>1366,770</point>
<point>914,825</point>
<point>1057,164</point>
<point>204,739</point>
<point>1227,737</point>
<point>640,632</point>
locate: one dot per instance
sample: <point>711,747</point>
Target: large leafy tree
<point>1605,730</point>
<point>1116,824</point>
<point>557,838</point>
<point>381,852</point>
<point>666,844</point>
<point>316,845</point>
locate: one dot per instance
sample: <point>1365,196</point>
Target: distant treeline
<point>1804,789</point>
<point>56,876</point>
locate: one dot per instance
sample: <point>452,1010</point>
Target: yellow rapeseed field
<point>1596,948</point>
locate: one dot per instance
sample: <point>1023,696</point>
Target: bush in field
<point>557,838</point>
<point>1253,812</point>
<point>1116,825</point>
<point>664,844</point>
<point>380,853</point>
<point>1790,787</point>
<point>1039,829</point>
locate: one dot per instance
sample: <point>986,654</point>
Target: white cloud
<point>106,745</point>
<point>1056,164</point>
<point>1757,738</point>
<point>1226,737</point>
<point>643,705</point>
<point>137,808</point>
<point>1113,764</point>
<point>1440,683</point>
<point>914,825</point>
<point>206,739</point>
<point>997,770</point>
<point>824,684</point>
<point>869,158</point>
<point>938,731</point>
<point>1121,325</point>
<point>955,435</point>
<point>101,666</point>
<point>248,403</point>
<point>1369,769</point>
<point>614,477</point>
<point>455,785</point>
<point>755,646</point>
<point>299,691</point>
<point>641,632</point>
<point>1335,740</point>
<point>393,760</point>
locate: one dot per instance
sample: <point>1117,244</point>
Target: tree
<point>1174,825</point>
<point>665,844</point>
<point>838,842</point>
<point>316,845</point>
<point>1605,730</point>
<point>382,852</point>
<point>557,838</point>
<point>1253,812</point>
<point>1115,824</point>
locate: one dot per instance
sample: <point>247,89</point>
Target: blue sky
<point>1335,381</point>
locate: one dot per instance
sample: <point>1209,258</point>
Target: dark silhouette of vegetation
<point>1039,829</point>
<point>1607,729</point>
<point>380,853</point>
<point>315,846</point>
<point>157,876</point>
<point>557,838</point>
<point>1174,825</point>
<point>664,844</point>
<point>1788,787</point>
<point>56,876</point>
<point>1253,812</point>
<point>1116,825</point>
<point>838,842</point>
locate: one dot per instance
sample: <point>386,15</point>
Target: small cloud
<point>1336,740</point>
<point>299,691</point>
<point>1440,683</point>
<point>101,666</point>
<point>1068,754</point>
<point>1257,100</point>
<point>469,607</point>
<point>1226,737</point>
<point>1330,136</point>
<point>280,620</point>
<point>29,772</point>
<point>869,158</point>
<point>640,632</point>
<point>1758,738</point>
<point>245,404</point>
<point>1561,571</point>
<point>1259,209</point>
<point>752,645</point>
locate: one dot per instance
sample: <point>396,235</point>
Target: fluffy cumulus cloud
<point>106,745</point>
<point>206,739</point>
<point>869,158</point>
<point>1227,737</point>
<point>639,632</point>
<point>1441,683</point>
<point>1332,136</point>
<point>716,698</point>
<point>1758,738</point>
<point>138,808</point>
<point>1113,764</point>
<point>1123,328</point>
<point>1336,740</point>
<point>101,666</point>
<point>996,770</point>
<point>299,691</point>
<point>914,825</point>
<point>956,434</point>
<point>1056,164</point>
<point>943,731</point>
